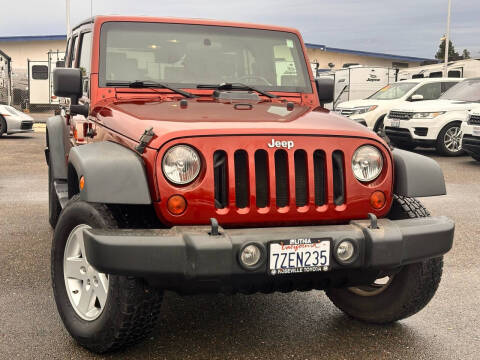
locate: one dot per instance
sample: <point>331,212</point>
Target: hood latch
<point>144,140</point>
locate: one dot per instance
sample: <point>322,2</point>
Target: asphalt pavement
<point>299,325</point>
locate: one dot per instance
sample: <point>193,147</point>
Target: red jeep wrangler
<point>196,156</point>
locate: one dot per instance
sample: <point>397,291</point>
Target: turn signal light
<point>176,204</point>
<point>377,200</point>
<point>82,183</point>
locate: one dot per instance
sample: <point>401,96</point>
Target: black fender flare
<point>417,175</point>
<point>55,135</point>
<point>113,174</point>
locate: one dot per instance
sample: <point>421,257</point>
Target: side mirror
<point>417,97</point>
<point>325,90</point>
<point>67,83</point>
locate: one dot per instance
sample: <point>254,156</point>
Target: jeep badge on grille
<point>281,144</point>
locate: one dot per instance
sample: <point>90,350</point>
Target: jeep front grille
<point>400,115</point>
<point>474,120</point>
<point>272,175</point>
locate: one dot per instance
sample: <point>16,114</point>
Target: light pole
<point>447,40</point>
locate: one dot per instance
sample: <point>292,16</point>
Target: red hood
<point>206,117</point>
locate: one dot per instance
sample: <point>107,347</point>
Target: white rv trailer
<point>5,79</point>
<point>458,69</point>
<point>358,82</point>
<point>40,80</point>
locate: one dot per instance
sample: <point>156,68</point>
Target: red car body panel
<point>122,115</point>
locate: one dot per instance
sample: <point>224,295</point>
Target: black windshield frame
<point>299,55</point>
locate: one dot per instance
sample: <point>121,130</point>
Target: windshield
<point>468,90</point>
<point>393,91</point>
<point>188,55</point>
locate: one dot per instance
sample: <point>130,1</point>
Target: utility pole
<point>447,39</point>
<point>67,5</point>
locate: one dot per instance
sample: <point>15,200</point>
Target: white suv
<point>372,110</point>
<point>471,134</point>
<point>434,123</point>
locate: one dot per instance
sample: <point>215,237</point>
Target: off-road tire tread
<point>405,207</point>
<point>139,304</point>
<point>423,279</point>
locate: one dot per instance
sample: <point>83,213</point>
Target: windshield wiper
<point>236,86</point>
<point>139,84</point>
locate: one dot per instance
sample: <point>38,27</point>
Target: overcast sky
<point>403,27</point>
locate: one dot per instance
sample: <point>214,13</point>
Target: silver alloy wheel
<point>453,139</point>
<point>87,289</point>
<point>377,287</point>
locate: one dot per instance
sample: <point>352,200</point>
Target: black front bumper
<point>189,259</point>
<point>471,144</point>
<point>403,136</point>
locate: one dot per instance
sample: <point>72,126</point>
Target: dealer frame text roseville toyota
<point>196,156</point>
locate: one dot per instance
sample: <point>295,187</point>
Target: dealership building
<point>21,48</point>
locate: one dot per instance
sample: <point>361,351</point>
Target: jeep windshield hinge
<point>144,140</point>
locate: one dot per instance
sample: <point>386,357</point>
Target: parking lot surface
<point>299,325</point>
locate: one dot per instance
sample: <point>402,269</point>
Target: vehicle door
<point>83,127</point>
<point>430,91</point>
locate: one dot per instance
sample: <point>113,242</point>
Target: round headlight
<point>367,163</point>
<point>181,164</point>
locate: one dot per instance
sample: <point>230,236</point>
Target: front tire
<point>379,124</point>
<point>121,313</point>
<point>449,140</point>
<point>398,294</point>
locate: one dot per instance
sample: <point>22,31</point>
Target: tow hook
<point>373,221</point>
<point>214,227</point>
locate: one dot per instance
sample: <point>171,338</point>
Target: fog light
<point>345,251</point>
<point>250,255</point>
<point>176,204</point>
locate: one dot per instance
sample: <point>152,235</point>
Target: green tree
<point>452,54</point>
<point>466,54</point>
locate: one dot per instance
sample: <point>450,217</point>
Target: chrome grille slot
<point>262,190</point>
<point>319,173</point>
<point>281,178</point>
<point>301,178</point>
<point>220,178</point>
<point>338,177</point>
<point>242,191</point>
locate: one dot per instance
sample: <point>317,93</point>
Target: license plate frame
<point>318,260</point>
<point>395,123</point>
<point>476,131</point>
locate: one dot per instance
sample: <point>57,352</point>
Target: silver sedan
<point>13,121</point>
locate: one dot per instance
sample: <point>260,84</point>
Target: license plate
<point>476,131</point>
<point>395,123</point>
<point>299,255</point>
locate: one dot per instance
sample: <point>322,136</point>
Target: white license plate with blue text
<point>299,255</point>
<point>476,131</point>
<point>395,123</point>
